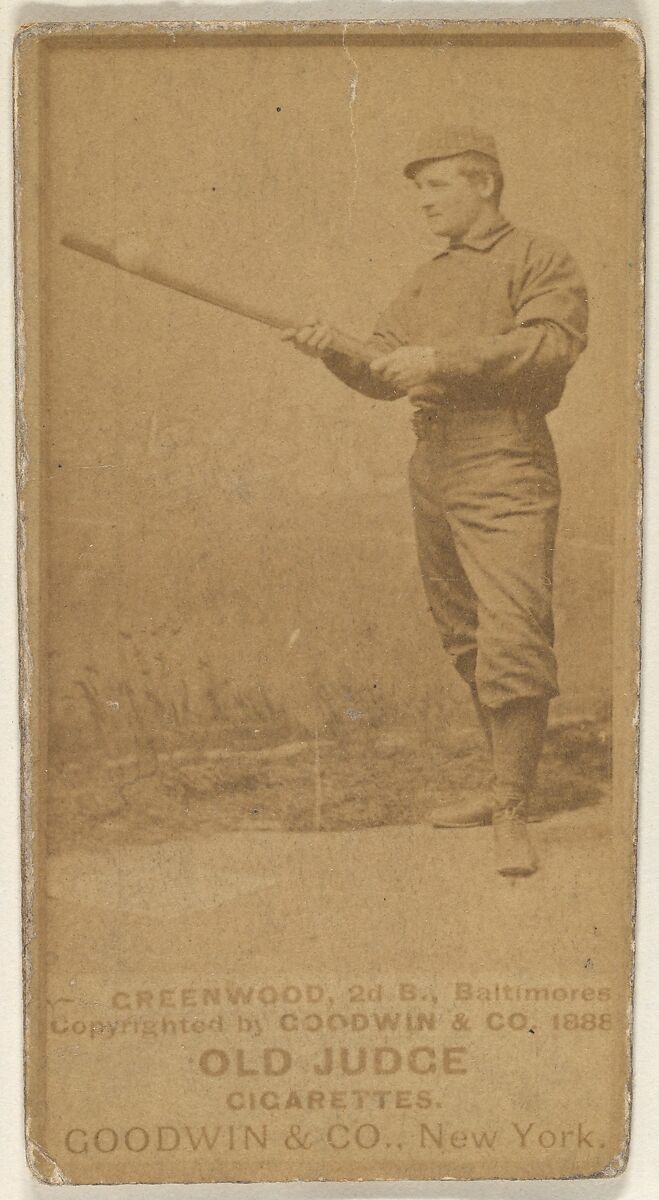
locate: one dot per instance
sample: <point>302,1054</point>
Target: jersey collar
<point>482,241</point>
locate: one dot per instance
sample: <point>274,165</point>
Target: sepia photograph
<point>330,414</point>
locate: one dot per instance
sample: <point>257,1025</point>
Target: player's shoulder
<point>532,248</point>
<point>414,280</point>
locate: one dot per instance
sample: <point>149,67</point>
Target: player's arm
<point>551,319</point>
<point>352,362</point>
<point>531,350</point>
<point>346,358</point>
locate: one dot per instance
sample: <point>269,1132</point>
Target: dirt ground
<point>364,779</point>
<point>242,889</point>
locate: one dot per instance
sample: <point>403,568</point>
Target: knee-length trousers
<point>485,494</point>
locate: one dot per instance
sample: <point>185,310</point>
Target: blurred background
<point>230,555</point>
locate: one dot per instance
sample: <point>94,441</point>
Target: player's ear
<point>486,185</point>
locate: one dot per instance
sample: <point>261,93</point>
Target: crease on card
<point>354,84</point>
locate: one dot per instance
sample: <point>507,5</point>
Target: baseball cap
<point>447,141</point>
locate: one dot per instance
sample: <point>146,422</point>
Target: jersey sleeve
<point>532,360</point>
<point>551,290</point>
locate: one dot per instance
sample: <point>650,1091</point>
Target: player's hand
<point>427,395</point>
<point>313,337</point>
<point>407,367</point>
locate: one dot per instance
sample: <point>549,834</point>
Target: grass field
<point>291,679</point>
<point>364,778</point>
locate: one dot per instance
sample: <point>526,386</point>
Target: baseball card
<point>330,363</point>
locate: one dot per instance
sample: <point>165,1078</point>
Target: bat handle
<point>352,347</point>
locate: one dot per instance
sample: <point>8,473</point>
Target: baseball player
<point>481,339</point>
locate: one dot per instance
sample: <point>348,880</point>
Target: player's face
<point>451,202</point>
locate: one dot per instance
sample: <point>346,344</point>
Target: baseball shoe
<point>464,812</point>
<point>513,852</point>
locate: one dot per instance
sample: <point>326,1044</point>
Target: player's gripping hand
<point>313,337</point>
<point>407,367</point>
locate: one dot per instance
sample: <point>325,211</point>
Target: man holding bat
<point>481,340</point>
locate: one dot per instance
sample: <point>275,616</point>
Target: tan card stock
<point>329,417</point>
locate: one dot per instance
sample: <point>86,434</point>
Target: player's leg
<point>483,715</point>
<point>518,734</point>
<point>504,532</point>
<point>451,598</point>
<point>453,604</point>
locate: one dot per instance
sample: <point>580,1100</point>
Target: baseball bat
<point>344,343</point>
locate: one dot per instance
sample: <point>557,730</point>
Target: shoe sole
<point>460,824</point>
<point>437,824</point>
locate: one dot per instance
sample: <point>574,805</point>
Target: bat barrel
<point>218,298</point>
